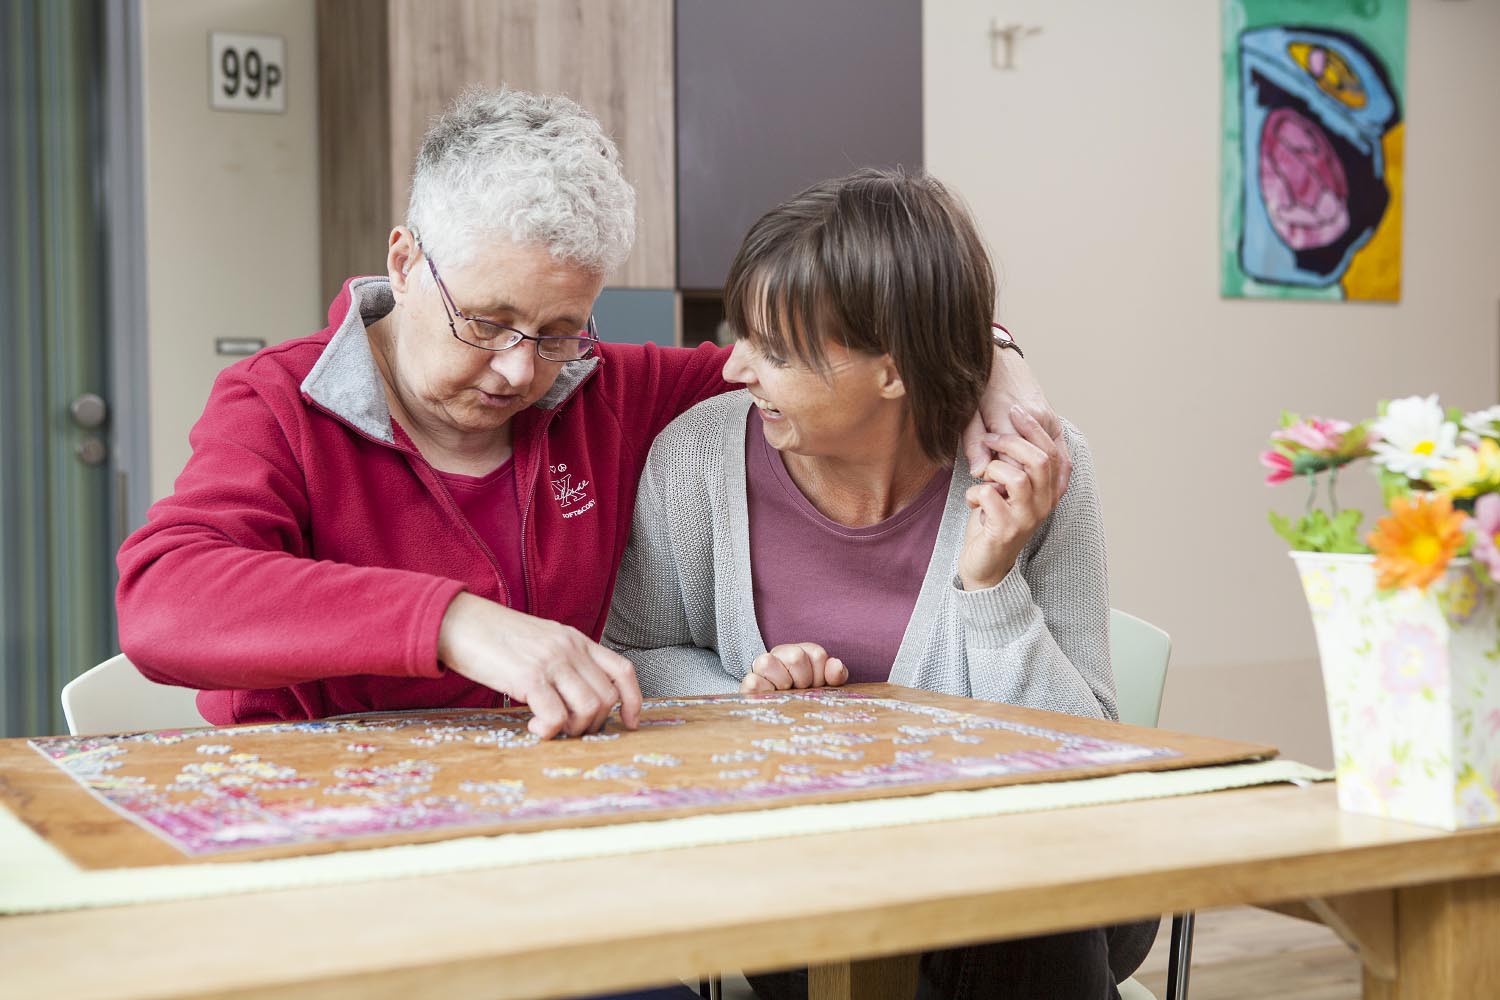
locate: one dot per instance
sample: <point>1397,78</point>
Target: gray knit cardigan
<point>684,611</point>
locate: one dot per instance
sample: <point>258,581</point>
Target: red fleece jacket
<point>303,566</point>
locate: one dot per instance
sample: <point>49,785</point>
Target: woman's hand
<point>794,665</point>
<point>1012,384</point>
<point>1020,489</point>
<point>569,682</point>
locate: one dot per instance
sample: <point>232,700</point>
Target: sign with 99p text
<point>246,72</point>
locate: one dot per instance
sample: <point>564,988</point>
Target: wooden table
<point>1422,904</point>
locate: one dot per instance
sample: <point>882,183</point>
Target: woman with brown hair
<point>820,528</point>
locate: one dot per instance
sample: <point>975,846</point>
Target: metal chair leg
<point>711,988</point>
<point>1180,956</point>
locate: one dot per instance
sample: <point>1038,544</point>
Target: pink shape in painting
<point>1302,181</point>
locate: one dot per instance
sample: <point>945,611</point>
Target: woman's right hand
<point>794,665</point>
<point>570,683</point>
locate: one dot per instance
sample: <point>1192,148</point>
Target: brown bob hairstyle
<point>882,262</point>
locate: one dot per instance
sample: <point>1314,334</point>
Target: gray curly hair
<point>536,168</point>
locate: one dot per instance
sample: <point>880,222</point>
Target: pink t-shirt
<point>851,590</point>
<point>489,504</point>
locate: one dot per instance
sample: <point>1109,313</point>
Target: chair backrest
<point>1139,652</point>
<point>114,698</point>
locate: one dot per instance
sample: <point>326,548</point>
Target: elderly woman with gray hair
<point>816,529</point>
<point>424,504</point>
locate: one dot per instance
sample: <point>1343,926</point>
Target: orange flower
<point>1413,545</point>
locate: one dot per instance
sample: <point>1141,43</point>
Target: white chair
<point>114,698</point>
<point>1139,652</point>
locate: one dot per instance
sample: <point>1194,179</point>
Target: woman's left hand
<point>1020,489</point>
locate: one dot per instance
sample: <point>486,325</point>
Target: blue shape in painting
<point>1315,104</point>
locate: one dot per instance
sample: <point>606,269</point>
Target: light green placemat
<point>35,877</point>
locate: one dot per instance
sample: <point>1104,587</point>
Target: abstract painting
<point>1313,131</point>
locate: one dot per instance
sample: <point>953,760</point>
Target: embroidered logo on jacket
<point>567,493</point>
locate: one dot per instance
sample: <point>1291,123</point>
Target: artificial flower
<point>1414,436</point>
<point>1313,445</point>
<point>1332,438</point>
<point>1314,433</point>
<point>1484,528</point>
<point>1469,471</point>
<point>1415,542</point>
<point>1483,423</point>
<point>1280,466</point>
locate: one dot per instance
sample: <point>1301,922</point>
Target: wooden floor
<point>1242,952</point>
<point>1239,953</point>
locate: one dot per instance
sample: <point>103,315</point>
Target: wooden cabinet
<point>386,67</point>
<point>721,109</point>
<point>778,94</point>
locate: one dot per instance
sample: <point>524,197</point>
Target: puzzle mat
<point>35,878</point>
<point>283,789</point>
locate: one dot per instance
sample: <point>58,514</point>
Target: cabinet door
<point>613,58</point>
<point>777,94</point>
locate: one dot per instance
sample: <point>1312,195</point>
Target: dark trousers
<point>1081,965</point>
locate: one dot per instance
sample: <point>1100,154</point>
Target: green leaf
<point>1316,532</point>
<point>1393,484</point>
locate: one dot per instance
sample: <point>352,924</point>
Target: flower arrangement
<point>1440,478</point>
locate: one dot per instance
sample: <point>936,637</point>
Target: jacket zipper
<point>453,510</point>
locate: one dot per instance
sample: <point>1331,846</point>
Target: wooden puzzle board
<point>284,789</point>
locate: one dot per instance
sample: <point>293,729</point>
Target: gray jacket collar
<point>347,384</point>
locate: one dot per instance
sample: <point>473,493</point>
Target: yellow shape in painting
<point>1375,271</point>
<point>1333,76</point>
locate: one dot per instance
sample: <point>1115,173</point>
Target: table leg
<point>1447,943</point>
<point>891,978</point>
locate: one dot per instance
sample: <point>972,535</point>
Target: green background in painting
<point>1380,24</point>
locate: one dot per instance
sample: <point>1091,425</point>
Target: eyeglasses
<point>487,336</point>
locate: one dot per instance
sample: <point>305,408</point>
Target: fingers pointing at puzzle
<point>794,665</point>
<point>570,682</point>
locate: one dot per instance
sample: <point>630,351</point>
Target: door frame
<point>125,248</point>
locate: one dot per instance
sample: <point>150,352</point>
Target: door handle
<point>89,411</point>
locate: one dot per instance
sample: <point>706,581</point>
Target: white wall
<point>231,208</point>
<point>1093,168</point>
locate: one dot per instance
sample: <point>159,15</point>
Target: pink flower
<point>1305,447</point>
<point>1314,434</point>
<point>1280,466</point>
<point>1485,527</point>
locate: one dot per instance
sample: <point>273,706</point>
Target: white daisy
<point>1484,423</point>
<point>1414,436</point>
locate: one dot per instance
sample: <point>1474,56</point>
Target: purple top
<point>851,590</point>
<point>489,504</point>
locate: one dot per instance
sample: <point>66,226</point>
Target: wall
<point>231,208</point>
<point>1093,169</point>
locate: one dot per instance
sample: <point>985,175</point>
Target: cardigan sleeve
<point>1040,637</point>
<point>649,617</point>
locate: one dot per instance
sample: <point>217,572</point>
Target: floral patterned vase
<point>1413,683</point>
